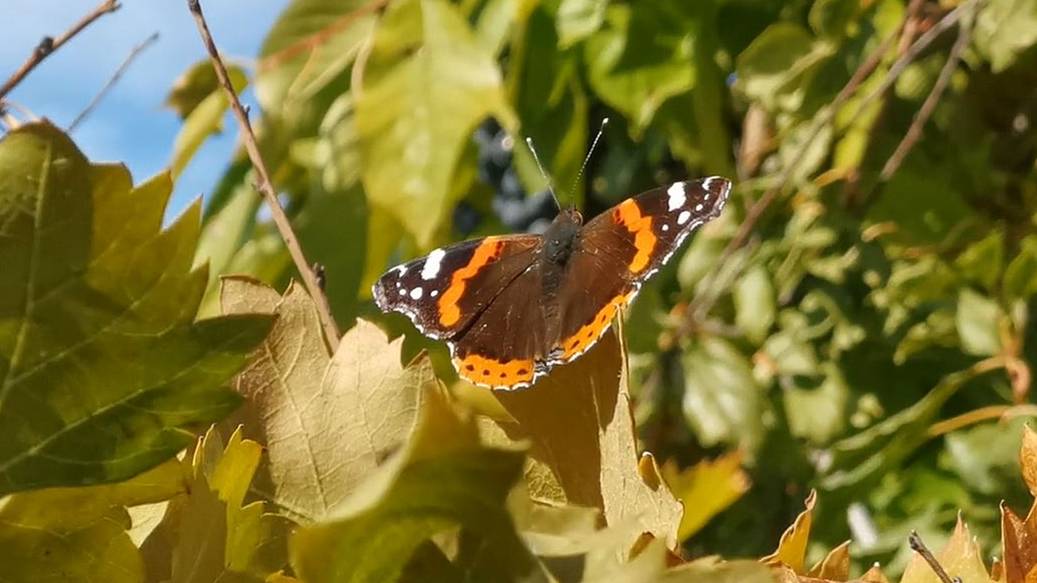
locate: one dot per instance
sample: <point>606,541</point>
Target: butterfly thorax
<point>560,238</point>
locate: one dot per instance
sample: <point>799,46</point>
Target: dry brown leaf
<point>997,570</point>
<point>874,575</point>
<point>960,557</point>
<point>792,548</point>
<point>579,423</point>
<point>326,421</point>
<point>1028,459</point>
<point>835,566</point>
<point>1019,545</point>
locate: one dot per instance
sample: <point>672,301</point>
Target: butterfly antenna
<point>550,186</point>
<point>590,152</point>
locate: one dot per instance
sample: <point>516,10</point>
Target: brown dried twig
<point>48,45</point>
<point>914,133</point>
<point>919,547</point>
<point>137,50</point>
<point>265,186</point>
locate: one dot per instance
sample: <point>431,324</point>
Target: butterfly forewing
<point>444,291</point>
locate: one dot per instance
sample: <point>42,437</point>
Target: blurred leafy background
<point>834,343</point>
<point>856,322</point>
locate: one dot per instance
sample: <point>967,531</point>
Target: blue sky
<point>130,125</point>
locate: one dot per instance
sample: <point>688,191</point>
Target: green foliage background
<point>871,338</point>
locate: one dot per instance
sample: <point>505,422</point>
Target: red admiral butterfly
<point>512,307</point>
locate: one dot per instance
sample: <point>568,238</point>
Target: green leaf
<point>205,119</point>
<point>1020,281</point>
<point>578,19</point>
<point>428,83</point>
<point>695,123</point>
<point>774,68</point>
<point>641,58</point>
<point>194,85</point>
<point>859,460</point>
<point>444,479</point>
<point>97,330</point>
<point>361,399</point>
<point>829,18</point>
<point>983,261</point>
<point>312,43</point>
<point>755,303</point>
<point>721,400</point>
<point>549,97</point>
<point>1005,30</point>
<point>978,321</point>
<point>78,534</point>
<point>819,414</point>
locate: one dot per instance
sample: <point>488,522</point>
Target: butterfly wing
<point>443,292</point>
<point>620,249</point>
<point>504,345</point>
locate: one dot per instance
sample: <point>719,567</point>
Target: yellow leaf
<point>874,575</point>
<point>792,548</point>
<point>707,488</point>
<point>960,557</point>
<point>835,566</point>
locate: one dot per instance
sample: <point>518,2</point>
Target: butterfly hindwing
<point>443,291</point>
<point>618,250</point>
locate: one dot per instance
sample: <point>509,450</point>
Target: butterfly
<point>512,307</point>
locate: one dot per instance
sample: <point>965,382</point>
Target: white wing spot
<point>698,207</point>
<point>431,269</point>
<point>676,194</point>
<point>403,291</point>
<point>666,228</point>
<point>434,293</point>
<point>683,217</point>
<point>400,270</point>
<point>416,293</point>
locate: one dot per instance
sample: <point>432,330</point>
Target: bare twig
<point>914,133</point>
<point>48,45</point>
<point>266,188</point>
<point>137,50</point>
<point>919,547</point>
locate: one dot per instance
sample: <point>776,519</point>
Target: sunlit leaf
<point>960,557</point>
<point>706,489</point>
<point>327,420</point>
<point>97,330</point>
<point>444,479</point>
<point>978,319</point>
<point>205,119</point>
<point>579,423</point>
<point>428,83</point>
<point>792,548</point>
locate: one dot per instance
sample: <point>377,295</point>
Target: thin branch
<point>919,547</point>
<point>48,45</point>
<point>266,188</point>
<point>914,133</point>
<point>137,50</point>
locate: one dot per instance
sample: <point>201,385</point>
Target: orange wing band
<point>628,214</point>
<point>487,371</point>
<point>487,252</point>
<point>589,333</point>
